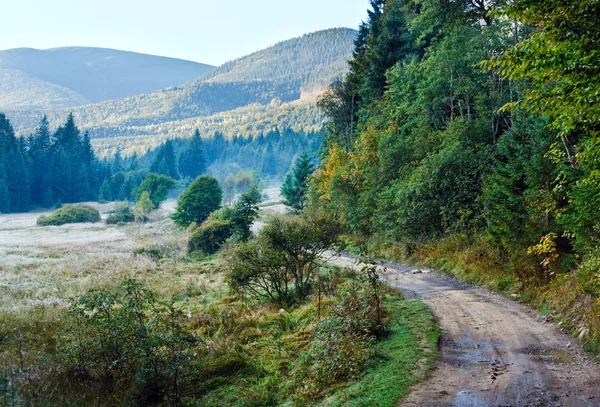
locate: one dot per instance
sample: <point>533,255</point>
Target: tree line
<point>47,167</point>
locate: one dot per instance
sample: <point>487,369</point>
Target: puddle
<point>468,398</point>
<point>555,356</point>
<point>469,354</point>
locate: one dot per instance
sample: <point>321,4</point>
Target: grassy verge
<point>247,355</point>
<point>409,355</point>
<point>274,376</point>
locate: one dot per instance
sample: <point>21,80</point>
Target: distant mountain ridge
<point>90,74</point>
<point>244,97</point>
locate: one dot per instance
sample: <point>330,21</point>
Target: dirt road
<point>494,351</point>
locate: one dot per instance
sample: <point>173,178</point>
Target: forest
<point>466,137</point>
<point>463,139</point>
<point>50,168</point>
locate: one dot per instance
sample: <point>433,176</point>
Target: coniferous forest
<point>49,167</point>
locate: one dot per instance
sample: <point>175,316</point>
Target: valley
<point>179,234</point>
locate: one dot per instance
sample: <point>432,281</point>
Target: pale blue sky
<point>211,32</point>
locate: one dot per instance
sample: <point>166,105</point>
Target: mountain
<point>245,97</point>
<point>73,76</point>
<point>20,90</point>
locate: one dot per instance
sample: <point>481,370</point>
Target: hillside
<point>266,80</point>
<point>19,90</point>
<point>316,58</point>
<point>95,74</point>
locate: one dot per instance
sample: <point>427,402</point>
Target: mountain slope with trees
<point>96,74</point>
<point>20,90</point>
<point>274,79</point>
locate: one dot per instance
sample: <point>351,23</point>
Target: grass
<point>251,354</point>
<point>410,354</point>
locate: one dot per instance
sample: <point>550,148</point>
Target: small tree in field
<point>245,212</point>
<point>202,197</point>
<point>295,185</point>
<point>142,209</point>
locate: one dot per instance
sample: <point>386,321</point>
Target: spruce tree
<point>165,162</point>
<point>192,161</point>
<point>295,185</point>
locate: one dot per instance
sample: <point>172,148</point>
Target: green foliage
<point>143,207</point>
<point>281,263</point>
<point>157,186</point>
<point>129,341</point>
<point>210,236</point>
<point>560,62</point>
<point>165,162</point>
<point>491,174</point>
<point>201,198</point>
<point>295,185</point>
<point>344,342</point>
<point>127,345</point>
<point>121,214</point>
<point>192,161</point>
<point>244,213</point>
<point>46,168</point>
<point>412,325</point>
<point>70,214</point>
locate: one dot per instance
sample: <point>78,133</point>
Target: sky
<point>211,32</point>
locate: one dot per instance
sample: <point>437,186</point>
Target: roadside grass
<point>408,356</point>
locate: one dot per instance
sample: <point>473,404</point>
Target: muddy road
<point>493,350</point>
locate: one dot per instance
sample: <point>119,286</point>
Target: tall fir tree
<point>192,161</point>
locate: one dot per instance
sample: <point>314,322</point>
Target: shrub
<point>209,237</point>
<point>121,214</point>
<point>112,337</point>
<point>202,197</point>
<point>281,263</point>
<point>345,341</point>
<point>70,214</point>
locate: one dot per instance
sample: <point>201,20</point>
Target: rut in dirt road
<point>494,351</point>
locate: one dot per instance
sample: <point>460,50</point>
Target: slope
<point>267,80</point>
<point>100,74</point>
<point>19,90</point>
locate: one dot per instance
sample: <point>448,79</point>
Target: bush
<point>112,337</point>
<point>143,208</point>
<point>281,263</point>
<point>70,214</point>
<point>209,237</point>
<point>202,197</point>
<point>121,214</point>
<point>345,341</point>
